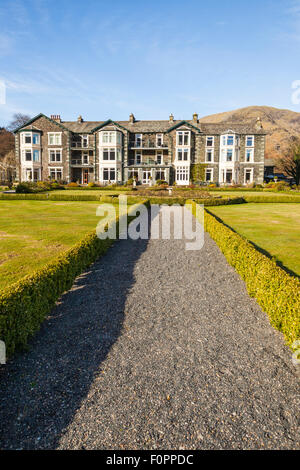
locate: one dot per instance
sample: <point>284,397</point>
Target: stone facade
<point>114,151</point>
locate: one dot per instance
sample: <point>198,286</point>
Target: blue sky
<point>106,59</point>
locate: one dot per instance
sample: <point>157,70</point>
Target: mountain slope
<point>281,125</point>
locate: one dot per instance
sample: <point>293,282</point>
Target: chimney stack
<point>195,117</point>
<point>131,118</point>
<point>258,124</point>
<point>171,118</point>
<point>80,119</point>
<point>55,117</point>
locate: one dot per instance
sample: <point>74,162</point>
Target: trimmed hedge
<point>276,292</point>
<point>272,199</point>
<point>206,202</point>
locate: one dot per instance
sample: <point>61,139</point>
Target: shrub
<point>275,291</point>
<point>72,185</point>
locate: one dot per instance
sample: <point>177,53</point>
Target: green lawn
<point>273,227</point>
<point>33,232</point>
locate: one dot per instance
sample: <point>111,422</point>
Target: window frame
<point>251,150</point>
<point>211,172</point>
<point>55,134</point>
<point>54,150</point>
<point>56,169</point>
<point>212,141</point>
<point>183,134</point>
<point>209,150</point>
<point>249,137</point>
<point>251,173</point>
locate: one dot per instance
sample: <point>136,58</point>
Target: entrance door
<point>85,176</point>
<point>146,176</point>
<point>76,175</point>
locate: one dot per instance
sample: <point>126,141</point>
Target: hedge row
<point>25,304</point>
<point>276,292</point>
<point>269,198</point>
<point>206,202</point>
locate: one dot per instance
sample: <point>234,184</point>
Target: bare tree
<point>18,120</point>
<point>7,142</point>
<point>290,162</point>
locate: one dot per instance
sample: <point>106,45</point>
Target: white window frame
<point>251,150</point>
<point>249,137</point>
<point>252,175</point>
<point>55,134</point>
<point>211,172</point>
<point>182,174</point>
<point>109,169</point>
<point>183,150</point>
<point>54,150</point>
<point>183,134</point>
<point>161,137</point>
<point>226,155</point>
<point>56,169</point>
<point>140,153</point>
<point>109,151</point>
<point>113,138</point>
<point>137,138</point>
<point>212,141</point>
<point>159,153</point>
<point>211,150</point>
<point>83,138</point>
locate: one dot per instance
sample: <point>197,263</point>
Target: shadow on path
<point>42,389</point>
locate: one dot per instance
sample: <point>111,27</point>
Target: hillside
<point>281,125</point>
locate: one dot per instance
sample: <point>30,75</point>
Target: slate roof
<point>164,126</point>
<point>154,126</point>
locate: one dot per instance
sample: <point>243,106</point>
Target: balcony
<point>82,145</point>
<point>147,144</point>
<point>149,162</point>
<point>80,162</point>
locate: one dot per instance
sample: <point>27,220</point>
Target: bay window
<point>109,154</point>
<point>109,174</point>
<point>182,174</point>
<point>183,138</point>
<point>183,155</point>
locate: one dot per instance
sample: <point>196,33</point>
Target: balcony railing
<point>82,145</point>
<point>148,144</point>
<point>149,162</point>
<point>80,161</point>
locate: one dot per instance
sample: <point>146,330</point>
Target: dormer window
<point>183,138</point>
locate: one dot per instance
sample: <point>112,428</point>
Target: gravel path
<point>154,348</point>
